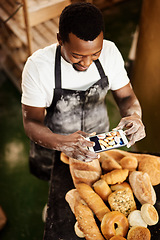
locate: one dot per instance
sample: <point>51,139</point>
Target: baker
<point>64,87</point>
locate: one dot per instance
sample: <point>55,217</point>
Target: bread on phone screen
<point>115,176</point>
<point>122,200</point>
<point>142,187</point>
<point>102,189</point>
<point>138,233</point>
<point>149,214</point>
<point>93,200</point>
<point>135,219</point>
<point>84,172</point>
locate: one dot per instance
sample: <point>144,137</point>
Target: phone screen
<point>107,141</point>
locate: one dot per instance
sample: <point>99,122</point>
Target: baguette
<point>93,200</point>
<point>86,222</point>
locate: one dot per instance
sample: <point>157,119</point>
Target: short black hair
<point>84,20</point>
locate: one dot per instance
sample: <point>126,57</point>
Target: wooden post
<point>27,27</point>
<point>146,74</point>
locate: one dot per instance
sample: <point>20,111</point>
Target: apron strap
<point>100,68</point>
<point>58,68</point>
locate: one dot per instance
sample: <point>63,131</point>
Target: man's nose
<point>86,61</point>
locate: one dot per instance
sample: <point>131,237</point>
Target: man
<point>64,88</point>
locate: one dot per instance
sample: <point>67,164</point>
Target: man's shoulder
<point>45,54</point>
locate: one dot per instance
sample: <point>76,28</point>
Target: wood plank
<point>19,32</point>
<point>48,35</point>
<point>42,14</point>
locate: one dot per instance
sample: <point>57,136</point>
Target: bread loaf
<point>84,172</point>
<point>108,163</point>
<point>86,222</point>
<point>93,200</point>
<point>142,187</point>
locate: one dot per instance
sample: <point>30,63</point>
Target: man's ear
<point>59,39</point>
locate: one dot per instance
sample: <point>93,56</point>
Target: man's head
<point>83,20</point>
<point>81,34</point>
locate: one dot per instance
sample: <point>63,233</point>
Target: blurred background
<point>28,25</point>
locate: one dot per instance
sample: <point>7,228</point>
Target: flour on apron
<point>69,112</point>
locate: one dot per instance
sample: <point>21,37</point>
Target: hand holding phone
<point>108,141</point>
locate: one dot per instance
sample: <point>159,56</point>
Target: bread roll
<point>149,214</point>
<point>151,165</point>
<point>71,197</point>
<point>117,238</point>
<point>142,187</point>
<point>119,186</point>
<point>64,158</point>
<point>77,230</point>
<point>84,172</point>
<point>138,233</point>
<point>102,189</point>
<point>114,223</point>
<point>135,219</point>
<point>115,176</point>
<point>122,200</point>
<point>86,222</point>
<point>108,163</point>
<point>129,163</point>
<point>117,154</point>
<point>93,200</point>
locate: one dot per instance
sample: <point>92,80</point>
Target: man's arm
<point>73,145</point>
<point>131,113</point>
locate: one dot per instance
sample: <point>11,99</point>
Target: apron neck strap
<point>58,67</point>
<point>100,68</point>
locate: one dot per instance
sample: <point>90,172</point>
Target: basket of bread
<point>114,197</point>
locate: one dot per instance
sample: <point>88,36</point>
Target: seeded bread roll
<point>149,214</point>
<point>122,200</point>
<point>142,187</point>
<point>139,233</point>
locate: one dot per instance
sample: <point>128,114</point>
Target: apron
<point>70,111</point>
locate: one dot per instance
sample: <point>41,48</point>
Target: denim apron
<point>70,111</point>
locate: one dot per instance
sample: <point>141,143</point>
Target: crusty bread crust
<point>142,187</point>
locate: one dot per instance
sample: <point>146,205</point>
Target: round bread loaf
<point>139,233</point>
<point>149,214</point>
<point>135,219</point>
<point>117,238</point>
<point>151,165</point>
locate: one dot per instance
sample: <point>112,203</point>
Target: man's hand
<point>133,128</point>
<point>75,146</point>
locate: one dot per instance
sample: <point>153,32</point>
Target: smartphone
<point>108,141</point>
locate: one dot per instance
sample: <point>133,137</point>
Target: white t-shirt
<point>38,80</point>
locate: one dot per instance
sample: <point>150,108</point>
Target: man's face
<point>81,53</point>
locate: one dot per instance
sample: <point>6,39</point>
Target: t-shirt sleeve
<point>32,94</point>
<point>118,77</point>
